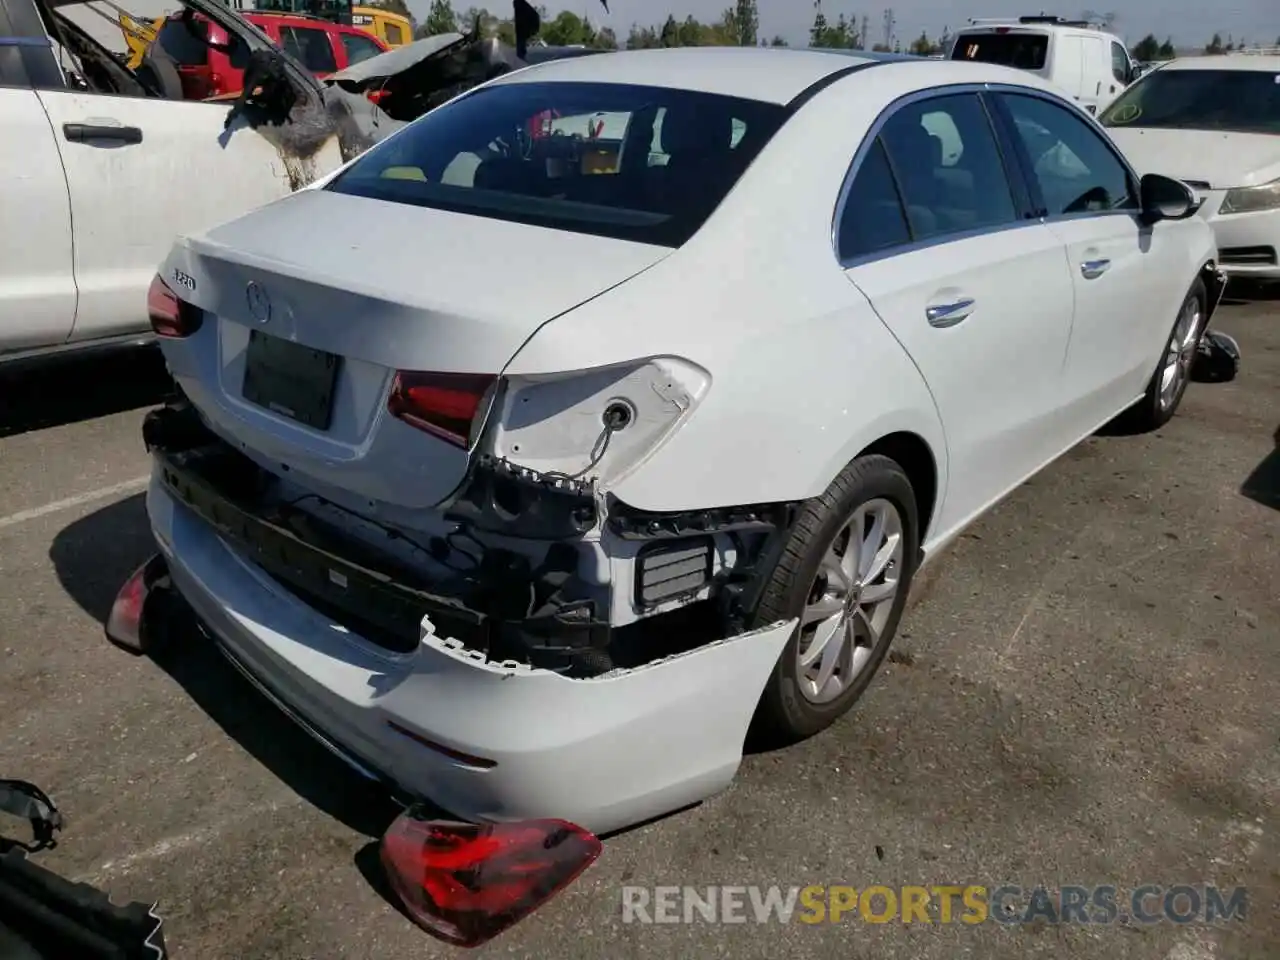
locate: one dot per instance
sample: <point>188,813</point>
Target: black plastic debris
<point>1217,358</point>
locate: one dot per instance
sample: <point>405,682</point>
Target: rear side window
<point>311,46</point>
<point>872,219</point>
<point>948,168</point>
<point>1026,51</point>
<point>573,156</point>
<point>188,49</point>
<point>395,36</point>
<point>359,48</point>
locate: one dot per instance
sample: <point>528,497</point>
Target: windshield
<point>636,163</point>
<point>1026,51</point>
<point>1242,101</point>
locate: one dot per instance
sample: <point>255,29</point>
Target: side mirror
<point>1164,198</point>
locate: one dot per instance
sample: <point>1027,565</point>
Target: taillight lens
<point>171,317</point>
<point>448,405</point>
<point>466,883</point>
<point>378,96</point>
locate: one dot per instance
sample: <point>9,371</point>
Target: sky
<point>1190,22</point>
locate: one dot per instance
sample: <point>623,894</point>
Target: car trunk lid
<point>321,298</point>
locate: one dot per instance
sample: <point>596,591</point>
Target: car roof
<point>1014,25</point>
<point>768,74</point>
<point>1235,61</point>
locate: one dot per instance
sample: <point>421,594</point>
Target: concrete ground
<point>1085,694</point>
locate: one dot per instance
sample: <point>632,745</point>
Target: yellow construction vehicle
<point>393,29</point>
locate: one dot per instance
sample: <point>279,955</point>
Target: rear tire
<point>849,603</point>
<point>1169,382</point>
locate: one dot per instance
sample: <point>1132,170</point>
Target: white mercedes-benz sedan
<point>1214,122</point>
<point>612,406</point>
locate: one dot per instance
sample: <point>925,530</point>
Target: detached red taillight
<point>171,317</point>
<point>125,626</point>
<point>379,96</point>
<point>448,405</point>
<point>466,883</point>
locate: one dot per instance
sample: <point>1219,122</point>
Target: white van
<point>1080,57</point>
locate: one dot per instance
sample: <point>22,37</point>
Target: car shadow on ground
<point>95,555</point>
<point>1263,483</point>
<point>57,392</point>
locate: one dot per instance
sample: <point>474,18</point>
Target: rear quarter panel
<point>804,374</point>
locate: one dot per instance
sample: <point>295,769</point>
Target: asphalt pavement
<point>1084,694</point>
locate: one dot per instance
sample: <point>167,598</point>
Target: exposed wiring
<point>600,448</point>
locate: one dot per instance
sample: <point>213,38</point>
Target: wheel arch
<point>913,453</point>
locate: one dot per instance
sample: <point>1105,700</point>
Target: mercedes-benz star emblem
<point>259,302</point>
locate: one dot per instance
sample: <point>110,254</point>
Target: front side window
<point>1075,170</point>
<point>948,168</point>
<point>311,46</point>
<point>1236,101</point>
<point>395,37</point>
<point>1119,63</point>
<point>573,156</point>
<point>187,42</point>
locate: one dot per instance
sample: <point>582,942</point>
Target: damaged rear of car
<point>417,551</point>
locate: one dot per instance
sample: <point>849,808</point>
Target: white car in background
<point>1082,59</point>
<point>529,508</point>
<point>1215,123</point>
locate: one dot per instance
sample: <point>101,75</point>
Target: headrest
<point>923,147</point>
<point>695,128</point>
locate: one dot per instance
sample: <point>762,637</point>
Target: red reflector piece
<point>470,760</point>
<point>443,404</point>
<point>466,883</point>
<point>124,622</point>
<point>171,317</point>
<point>377,96</point>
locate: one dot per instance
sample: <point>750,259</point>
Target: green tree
<point>778,42</point>
<point>1148,48</point>
<point>567,29</point>
<point>605,39</point>
<point>691,33</point>
<point>922,46</point>
<point>670,35</point>
<point>818,32</point>
<point>642,38</point>
<point>440,19</point>
<point>1214,46</point>
<point>746,22</point>
<point>842,35</point>
<point>1166,51</point>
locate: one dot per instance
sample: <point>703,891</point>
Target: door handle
<point>81,132</point>
<point>949,314</point>
<point>1092,269</point>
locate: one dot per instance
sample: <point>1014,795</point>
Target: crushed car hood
<point>1219,158</point>
<point>396,61</point>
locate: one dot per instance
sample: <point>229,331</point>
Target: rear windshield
<point>1026,51</point>
<point>636,163</point>
<point>177,41</point>
<point>1241,101</point>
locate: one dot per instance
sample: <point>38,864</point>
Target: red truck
<point>321,46</point>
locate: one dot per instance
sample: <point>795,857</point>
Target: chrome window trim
<point>931,93</point>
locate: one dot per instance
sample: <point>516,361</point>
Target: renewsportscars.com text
<point>939,903</point>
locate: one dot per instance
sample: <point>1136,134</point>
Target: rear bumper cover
<point>483,740</point>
